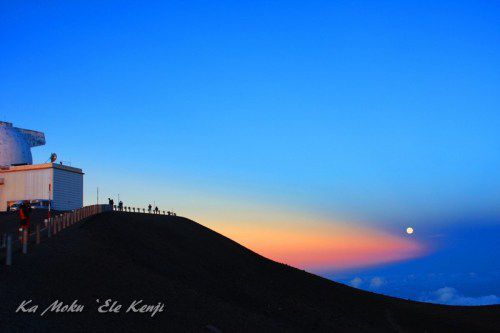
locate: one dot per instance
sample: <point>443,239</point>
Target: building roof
<point>28,167</point>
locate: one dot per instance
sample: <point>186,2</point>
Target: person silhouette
<point>149,208</point>
<point>24,215</point>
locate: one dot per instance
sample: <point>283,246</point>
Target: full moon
<point>409,230</point>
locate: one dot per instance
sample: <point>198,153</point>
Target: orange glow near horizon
<point>300,239</point>
<point>317,246</point>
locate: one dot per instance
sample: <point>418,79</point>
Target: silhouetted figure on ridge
<point>149,208</point>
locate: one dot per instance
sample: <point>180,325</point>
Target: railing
<point>142,210</point>
<point>54,225</point>
<point>51,227</point>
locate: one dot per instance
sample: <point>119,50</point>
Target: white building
<point>21,180</point>
<point>61,184</point>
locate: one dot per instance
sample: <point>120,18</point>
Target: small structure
<point>21,180</point>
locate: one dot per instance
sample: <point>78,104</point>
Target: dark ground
<point>9,221</point>
<point>208,283</point>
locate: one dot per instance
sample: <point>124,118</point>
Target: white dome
<point>16,143</point>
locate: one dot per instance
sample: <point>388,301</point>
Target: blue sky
<point>378,113</point>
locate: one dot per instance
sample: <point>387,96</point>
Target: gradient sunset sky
<point>313,132</point>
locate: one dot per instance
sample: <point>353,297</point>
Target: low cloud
<point>356,282</point>
<point>450,296</point>
<point>373,283</point>
<point>377,282</point>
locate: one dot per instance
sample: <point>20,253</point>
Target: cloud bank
<point>450,296</point>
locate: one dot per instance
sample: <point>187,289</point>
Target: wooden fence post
<point>38,233</point>
<point>8,257</point>
<point>25,240</point>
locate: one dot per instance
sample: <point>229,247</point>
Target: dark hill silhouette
<point>207,281</point>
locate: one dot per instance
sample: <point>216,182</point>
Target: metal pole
<point>50,201</point>
<point>8,257</point>
<point>49,226</point>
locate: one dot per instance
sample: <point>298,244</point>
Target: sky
<point>311,132</point>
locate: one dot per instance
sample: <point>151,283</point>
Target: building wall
<point>24,185</point>
<point>32,182</point>
<point>67,190</point>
